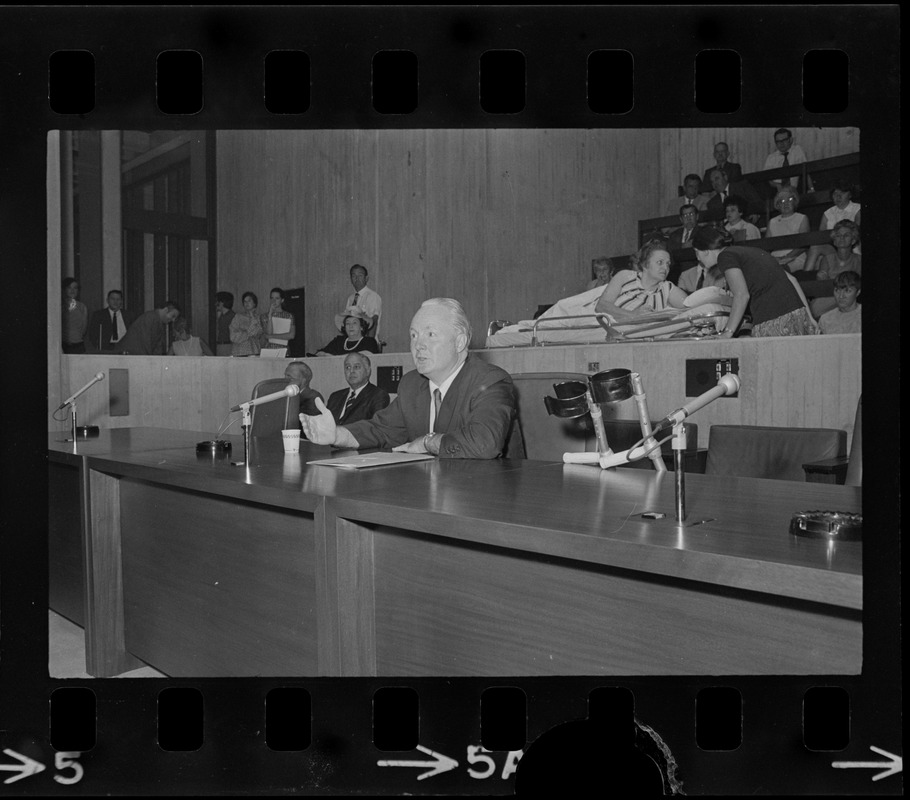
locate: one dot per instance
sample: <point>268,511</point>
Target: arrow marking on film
<point>26,767</point>
<point>440,763</point>
<point>894,765</point>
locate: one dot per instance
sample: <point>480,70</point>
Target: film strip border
<point>556,47</point>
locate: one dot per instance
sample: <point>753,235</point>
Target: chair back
<point>855,464</point>
<point>623,433</point>
<point>271,418</point>
<point>540,435</point>
<point>756,451</point>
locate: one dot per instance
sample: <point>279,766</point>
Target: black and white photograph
<point>447,400</point>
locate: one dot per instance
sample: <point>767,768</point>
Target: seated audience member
<point>787,223</point>
<point>147,335</point>
<point>758,282</point>
<point>847,316</point>
<point>842,259</point>
<point>365,299</point>
<point>277,334</point>
<point>75,318</point>
<point>299,373</point>
<point>633,292</point>
<point>682,237</point>
<point>362,399</point>
<point>843,209</point>
<point>246,328</point>
<point>224,314</point>
<point>454,404</point>
<point>185,344</point>
<point>735,225</point>
<point>721,154</point>
<point>691,196</point>
<point>698,277</point>
<point>353,324</point>
<point>602,270</point>
<point>724,189</point>
<point>786,155</point>
<point>109,325</point>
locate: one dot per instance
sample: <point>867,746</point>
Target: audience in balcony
<point>757,282</point>
<point>602,270</point>
<point>846,317</point>
<point>634,292</point>
<point>843,209</point>
<point>787,154</point>
<point>682,237</point>
<point>842,258</point>
<point>787,223</point>
<point>723,189</point>
<point>691,195</point>
<point>741,230</point>
<point>721,154</point>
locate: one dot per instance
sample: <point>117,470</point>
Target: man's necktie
<point>115,330</point>
<point>347,405</point>
<point>701,280</point>
<point>785,181</point>
<point>437,402</point>
<point>356,298</point>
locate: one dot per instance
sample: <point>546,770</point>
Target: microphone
<point>291,390</point>
<point>92,382</point>
<point>728,384</point>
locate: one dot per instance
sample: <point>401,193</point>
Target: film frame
<point>342,757</point>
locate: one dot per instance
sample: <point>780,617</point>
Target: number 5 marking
<point>66,760</point>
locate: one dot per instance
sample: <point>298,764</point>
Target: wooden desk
<point>453,568</point>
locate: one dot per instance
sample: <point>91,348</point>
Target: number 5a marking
<point>478,755</point>
<point>66,760</point>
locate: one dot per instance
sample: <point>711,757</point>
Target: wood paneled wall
<point>503,220</point>
<point>799,381</point>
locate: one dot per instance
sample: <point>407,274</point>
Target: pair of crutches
<point>575,399</point>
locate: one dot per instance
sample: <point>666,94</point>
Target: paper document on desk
<point>364,460</point>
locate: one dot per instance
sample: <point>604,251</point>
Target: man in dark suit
<point>734,171</point>
<point>682,237</point>
<point>108,326</point>
<point>723,188</point>
<point>363,399</point>
<point>453,405</point>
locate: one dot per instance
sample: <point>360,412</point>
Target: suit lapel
<point>452,400</point>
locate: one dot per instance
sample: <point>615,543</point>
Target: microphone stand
<point>679,445</point>
<point>245,424</point>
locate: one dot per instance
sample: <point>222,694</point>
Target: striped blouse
<point>632,295</point>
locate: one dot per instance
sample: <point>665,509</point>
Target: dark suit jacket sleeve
<point>475,417</point>
<point>336,402</point>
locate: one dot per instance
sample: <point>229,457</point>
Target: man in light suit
<point>108,326</point>
<point>454,405</point>
<point>363,399</point>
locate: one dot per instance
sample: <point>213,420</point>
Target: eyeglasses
<point>781,141</point>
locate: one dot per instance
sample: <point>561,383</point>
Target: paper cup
<point>291,439</point>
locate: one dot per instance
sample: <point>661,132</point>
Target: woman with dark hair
<point>277,324</point>
<point>75,318</point>
<point>353,324</point>
<point>246,329</point>
<point>758,282</point>
<point>633,292</point>
<point>740,229</point>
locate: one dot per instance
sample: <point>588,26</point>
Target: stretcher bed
<point>706,314</point>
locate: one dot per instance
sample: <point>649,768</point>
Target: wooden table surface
<point>574,514</point>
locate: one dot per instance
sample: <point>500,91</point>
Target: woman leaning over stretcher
<point>633,292</point>
<point>757,281</point>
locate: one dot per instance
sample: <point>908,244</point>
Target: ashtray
<point>834,525</point>
<point>214,447</point>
